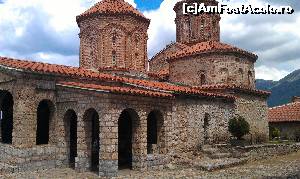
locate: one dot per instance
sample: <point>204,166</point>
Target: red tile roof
<point>209,47</point>
<point>67,71</point>
<point>114,89</point>
<point>286,113</point>
<point>233,87</point>
<point>112,7</point>
<point>163,74</point>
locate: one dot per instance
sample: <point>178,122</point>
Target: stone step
<point>6,168</point>
<point>220,155</point>
<point>217,164</point>
<point>208,149</point>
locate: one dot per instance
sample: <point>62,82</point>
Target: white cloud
<point>269,73</point>
<point>47,31</point>
<point>162,29</point>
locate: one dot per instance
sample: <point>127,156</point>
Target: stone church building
<point>111,112</point>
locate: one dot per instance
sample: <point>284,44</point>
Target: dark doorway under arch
<point>155,132</point>
<point>91,118</point>
<point>71,132</point>
<point>6,115</point>
<point>125,131</point>
<point>206,127</point>
<point>151,132</point>
<point>44,114</point>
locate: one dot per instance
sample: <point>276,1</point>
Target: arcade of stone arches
<point>128,123</point>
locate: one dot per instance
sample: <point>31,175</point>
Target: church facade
<point>113,113</point>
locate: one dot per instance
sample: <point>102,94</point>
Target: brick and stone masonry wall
<point>188,123</point>
<point>109,108</point>
<point>254,109</point>
<point>217,68</point>
<point>158,62</point>
<point>96,42</point>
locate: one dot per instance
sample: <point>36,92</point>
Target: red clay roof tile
<point>112,7</point>
<point>231,86</point>
<point>208,47</point>
<point>89,74</point>
<point>286,113</point>
<point>123,90</point>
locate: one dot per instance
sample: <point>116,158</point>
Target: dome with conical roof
<point>112,7</point>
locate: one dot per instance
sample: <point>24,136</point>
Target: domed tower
<point>192,29</point>
<point>113,35</point>
<point>205,60</point>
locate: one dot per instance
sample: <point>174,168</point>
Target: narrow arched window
<point>250,76</point>
<point>114,38</point>
<point>202,25</point>
<point>114,58</point>
<point>202,79</point>
<point>190,27</point>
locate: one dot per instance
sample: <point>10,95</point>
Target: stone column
<point>82,160</point>
<point>108,157</point>
<point>139,146</point>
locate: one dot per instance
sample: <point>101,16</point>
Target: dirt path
<point>283,166</point>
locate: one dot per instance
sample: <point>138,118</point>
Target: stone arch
<point>155,133</point>
<point>6,116</point>
<point>92,137</point>
<point>45,114</point>
<point>128,124</point>
<point>70,125</point>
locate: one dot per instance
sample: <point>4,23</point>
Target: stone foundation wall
<point>28,159</point>
<point>188,123</point>
<point>258,152</point>
<point>254,110</point>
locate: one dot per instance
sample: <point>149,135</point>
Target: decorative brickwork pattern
<point>191,29</point>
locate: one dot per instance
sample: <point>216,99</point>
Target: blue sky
<point>147,4</point>
<point>46,31</point>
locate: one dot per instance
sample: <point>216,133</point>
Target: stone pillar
<point>24,122</point>
<point>139,146</point>
<point>82,162</point>
<point>108,157</point>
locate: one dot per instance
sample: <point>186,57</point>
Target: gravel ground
<point>281,166</point>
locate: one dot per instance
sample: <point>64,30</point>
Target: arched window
<point>45,112</point>
<point>250,76</point>
<point>202,25</point>
<point>6,116</point>
<point>241,74</point>
<point>114,58</point>
<point>114,38</point>
<point>190,27</point>
<point>224,74</point>
<point>202,79</point>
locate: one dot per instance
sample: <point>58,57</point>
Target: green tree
<point>238,127</point>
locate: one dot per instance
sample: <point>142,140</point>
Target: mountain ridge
<point>282,90</point>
